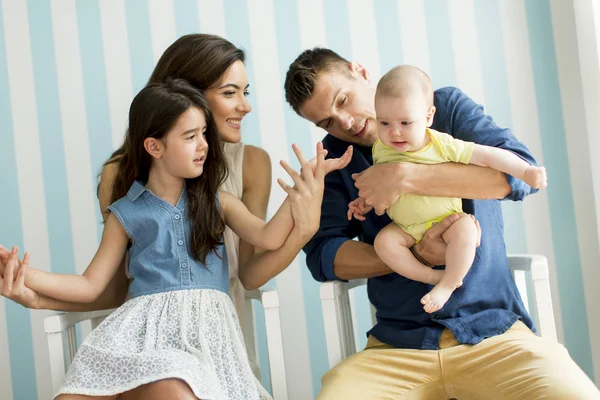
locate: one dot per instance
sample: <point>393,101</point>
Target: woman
<point>215,66</point>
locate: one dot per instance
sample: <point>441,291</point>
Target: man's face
<point>343,105</point>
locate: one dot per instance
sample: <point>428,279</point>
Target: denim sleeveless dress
<point>179,321</point>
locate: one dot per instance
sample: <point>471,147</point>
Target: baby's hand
<point>358,208</point>
<point>536,177</point>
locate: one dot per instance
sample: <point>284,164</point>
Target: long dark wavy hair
<point>200,59</point>
<point>153,113</point>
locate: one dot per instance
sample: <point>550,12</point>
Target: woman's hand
<point>12,281</point>
<point>306,196</point>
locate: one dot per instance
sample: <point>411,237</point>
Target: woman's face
<point>228,103</point>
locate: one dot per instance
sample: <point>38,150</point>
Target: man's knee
<point>336,382</point>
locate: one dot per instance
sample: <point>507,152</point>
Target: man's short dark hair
<point>302,75</point>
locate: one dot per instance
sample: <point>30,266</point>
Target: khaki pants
<point>514,365</point>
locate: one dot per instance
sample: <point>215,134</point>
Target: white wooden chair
<point>529,271</point>
<point>63,325</point>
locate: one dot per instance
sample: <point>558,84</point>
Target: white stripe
<point>162,26</point>
<point>466,49</point>
<point>274,140</point>
<point>580,166</point>
<point>310,14</point>
<point>29,166</point>
<point>5,373</point>
<point>588,34</point>
<point>412,21</point>
<point>363,36</point>
<point>212,17</point>
<point>81,192</point>
<point>311,24</point>
<point>75,132</point>
<point>118,72</point>
<point>523,107</point>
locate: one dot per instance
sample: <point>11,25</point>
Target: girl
<point>170,217</point>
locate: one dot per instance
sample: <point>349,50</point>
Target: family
<point>415,174</point>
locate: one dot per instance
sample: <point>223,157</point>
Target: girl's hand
<point>306,196</point>
<point>4,255</point>
<point>12,282</point>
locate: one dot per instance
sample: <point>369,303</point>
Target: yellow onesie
<point>416,214</point>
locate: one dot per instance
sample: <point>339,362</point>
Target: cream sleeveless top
<point>234,153</point>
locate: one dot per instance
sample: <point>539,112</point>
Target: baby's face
<point>401,121</point>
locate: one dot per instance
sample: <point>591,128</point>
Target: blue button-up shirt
<point>161,258</point>
<point>488,303</point>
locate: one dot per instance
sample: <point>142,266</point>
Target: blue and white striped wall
<point>69,69</point>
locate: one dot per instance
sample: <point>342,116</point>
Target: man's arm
<point>332,254</point>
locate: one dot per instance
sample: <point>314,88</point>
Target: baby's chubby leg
<point>392,245</point>
<point>461,240</point>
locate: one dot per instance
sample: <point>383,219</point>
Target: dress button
<point>180,242</point>
<point>177,216</point>
<point>184,265</point>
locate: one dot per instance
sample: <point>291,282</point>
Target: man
<point>480,345</point>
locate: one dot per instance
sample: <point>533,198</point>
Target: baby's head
<point>404,108</point>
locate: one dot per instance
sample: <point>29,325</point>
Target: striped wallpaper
<point>69,69</point>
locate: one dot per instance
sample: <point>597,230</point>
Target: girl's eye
<point>405,123</point>
<point>383,123</point>
<point>229,93</point>
<point>343,101</point>
<point>191,137</point>
<point>246,93</point>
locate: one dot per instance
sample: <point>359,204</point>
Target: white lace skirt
<point>192,335</point>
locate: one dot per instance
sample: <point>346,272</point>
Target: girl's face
<point>228,103</point>
<point>185,148</point>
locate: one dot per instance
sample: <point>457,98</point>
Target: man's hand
<point>333,164</point>
<point>381,185</point>
<point>432,248</point>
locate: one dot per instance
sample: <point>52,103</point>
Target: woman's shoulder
<point>256,166</point>
<point>255,156</point>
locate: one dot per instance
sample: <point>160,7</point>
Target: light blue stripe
<point>337,28</point>
<point>237,30</point>
<point>54,170</point>
<point>338,39</point>
<point>497,103</point>
<point>18,325</point>
<point>140,42</point>
<point>186,17</point>
<point>564,230</point>
<point>439,38</point>
<point>95,90</point>
<point>389,37</point>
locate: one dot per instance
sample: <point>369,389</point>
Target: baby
<point>405,110</point>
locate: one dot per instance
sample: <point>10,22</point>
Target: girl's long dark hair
<point>200,59</point>
<point>153,113</point>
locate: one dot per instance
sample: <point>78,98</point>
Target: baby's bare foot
<point>536,177</point>
<point>436,299</point>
